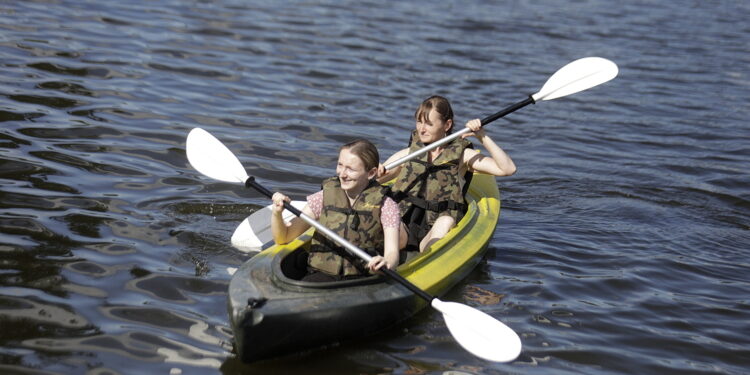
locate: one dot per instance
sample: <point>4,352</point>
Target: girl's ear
<point>372,173</point>
<point>448,125</point>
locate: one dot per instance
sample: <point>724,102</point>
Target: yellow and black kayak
<point>273,313</point>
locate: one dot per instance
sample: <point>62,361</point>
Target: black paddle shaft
<point>401,280</point>
<point>250,183</point>
<point>507,110</point>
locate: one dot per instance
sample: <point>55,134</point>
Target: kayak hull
<point>273,313</point>
<point>284,316</point>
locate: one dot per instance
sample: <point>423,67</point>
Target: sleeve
<point>390,215</point>
<point>315,202</point>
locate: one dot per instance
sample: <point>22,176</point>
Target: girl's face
<point>434,128</point>
<point>352,174</point>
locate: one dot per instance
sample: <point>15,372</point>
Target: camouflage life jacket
<point>359,225</point>
<point>425,191</point>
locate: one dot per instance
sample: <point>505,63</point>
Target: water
<point>622,244</point>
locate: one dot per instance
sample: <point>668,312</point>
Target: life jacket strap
<point>437,206</point>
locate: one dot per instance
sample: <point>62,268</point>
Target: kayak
<point>272,313</point>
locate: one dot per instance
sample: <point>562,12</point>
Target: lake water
<point>622,246</point>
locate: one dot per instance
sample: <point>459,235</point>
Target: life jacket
<point>359,225</point>
<point>427,190</point>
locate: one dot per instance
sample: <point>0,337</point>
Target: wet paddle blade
<point>210,157</point>
<point>479,333</point>
<point>254,233</point>
<point>577,76</point>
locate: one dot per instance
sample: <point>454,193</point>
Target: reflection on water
<point>622,239</point>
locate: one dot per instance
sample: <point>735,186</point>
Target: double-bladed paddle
<point>476,331</point>
<point>576,76</point>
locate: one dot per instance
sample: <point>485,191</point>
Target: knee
<point>403,237</point>
<point>444,222</point>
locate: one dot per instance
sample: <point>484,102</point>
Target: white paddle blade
<point>577,76</point>
<point>210,157</point>
<point>479,333</point>
<point>254,233</point>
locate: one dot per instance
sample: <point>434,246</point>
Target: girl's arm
<point>284,232</point>
<point>385,176</point>
<point>390,218</point>
<point>390,251</point>
<point>497,164</point>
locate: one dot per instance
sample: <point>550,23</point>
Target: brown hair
<point>365,151</point>
<point>441,106</point>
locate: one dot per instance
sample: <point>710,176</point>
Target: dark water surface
<point>623,242</point>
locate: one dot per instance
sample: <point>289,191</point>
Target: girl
<point>355,207</point>
<point>430,188</point>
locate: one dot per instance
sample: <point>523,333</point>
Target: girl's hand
<point>475,126</point>
<point>376,263</point>
<point>381,170</point>
<point>278,202</point>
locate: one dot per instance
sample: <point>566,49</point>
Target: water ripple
<point>622,239</point>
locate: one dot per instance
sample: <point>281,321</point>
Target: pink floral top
<point>389,213</point>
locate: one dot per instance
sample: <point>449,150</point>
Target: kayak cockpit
<point>289,267</point>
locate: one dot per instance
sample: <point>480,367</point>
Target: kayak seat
<point>294,265</point>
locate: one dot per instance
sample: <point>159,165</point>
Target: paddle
<point>254,233</point>
<point>479,333</point>
<point>576,76</point>
<point>579,75</point>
